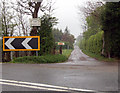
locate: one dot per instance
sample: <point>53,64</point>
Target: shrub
<point>40,59</point>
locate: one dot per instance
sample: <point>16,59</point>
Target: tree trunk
<point>7,57</point>
<point>34,33</point>
<point>54,50</point>
<point>103,46</point>
<point>34,29</point>
<point>109,55</point>
<point>60,49</point>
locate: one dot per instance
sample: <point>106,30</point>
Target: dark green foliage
<point>110,21</point>
<point>107,20</point>
<point>45,33</point>
<point>65,37</point>
<point>93,27</point>
<point>40,59</point>
<point>57,34</point>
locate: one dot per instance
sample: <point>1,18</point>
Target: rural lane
<point>80,72</point>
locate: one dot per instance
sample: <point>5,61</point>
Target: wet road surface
<point>80,71</point>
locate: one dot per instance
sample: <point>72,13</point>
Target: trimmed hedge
<point>93,44</point>
<point>40,59</point>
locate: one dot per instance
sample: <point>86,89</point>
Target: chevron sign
<point>21,43</point>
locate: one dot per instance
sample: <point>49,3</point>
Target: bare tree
<point>90,8</point>
<point>8,26</point>
<point>22,25</point>
<point>28,7</point>
<point>7,19</point>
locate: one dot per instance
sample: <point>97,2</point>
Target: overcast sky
<point>67,13</point>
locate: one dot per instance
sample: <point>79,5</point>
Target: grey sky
<point>67,13</point>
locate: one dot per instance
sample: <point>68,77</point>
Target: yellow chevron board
<point>21,43</point>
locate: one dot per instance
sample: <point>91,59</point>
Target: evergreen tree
<point>45,32</point>
<point>57,34</point>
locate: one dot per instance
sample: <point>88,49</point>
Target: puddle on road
<point>82,59</point>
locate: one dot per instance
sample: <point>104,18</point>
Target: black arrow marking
<point>17,43</point>
<point>33,43</point>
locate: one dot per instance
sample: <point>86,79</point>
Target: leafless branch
<point>91,7</point>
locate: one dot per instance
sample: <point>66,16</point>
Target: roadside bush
<point>40,59</point>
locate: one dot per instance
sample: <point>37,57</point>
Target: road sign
<point>61,43</point>
<point>35,22</point>
<point>21,43</point>
<point>111,0</point>
<point>35,0</point>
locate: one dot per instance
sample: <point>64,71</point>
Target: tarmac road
<point>80,72</point>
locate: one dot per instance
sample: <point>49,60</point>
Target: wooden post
<point>54,50</point>
<point>61,49</point>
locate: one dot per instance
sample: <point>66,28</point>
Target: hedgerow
<point>93,44</point>
<point>40,59</point>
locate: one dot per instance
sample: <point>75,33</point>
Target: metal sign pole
<point>11,55</point>
<point>36,53</point>
<point>68,47</point>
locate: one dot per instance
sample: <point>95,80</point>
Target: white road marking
<point>44,85</point>
<point>34,87</point>
<point>8,43</point>
<point>25,43</point>
<point>37,84</point>
<point>84,90</point>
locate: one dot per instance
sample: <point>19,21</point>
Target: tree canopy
<point>103,30</point>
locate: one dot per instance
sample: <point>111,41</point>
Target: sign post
<point>61,44</point>
<point>11,53</point>
<point>35,22</point>
<point>35,0</point>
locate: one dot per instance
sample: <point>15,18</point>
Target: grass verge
<point>43,59</point>
<point>67,52</point>
<point>99,57</point>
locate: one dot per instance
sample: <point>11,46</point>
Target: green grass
<point>99,57</point>
<point>67,52</point>
<point>43,59</point>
